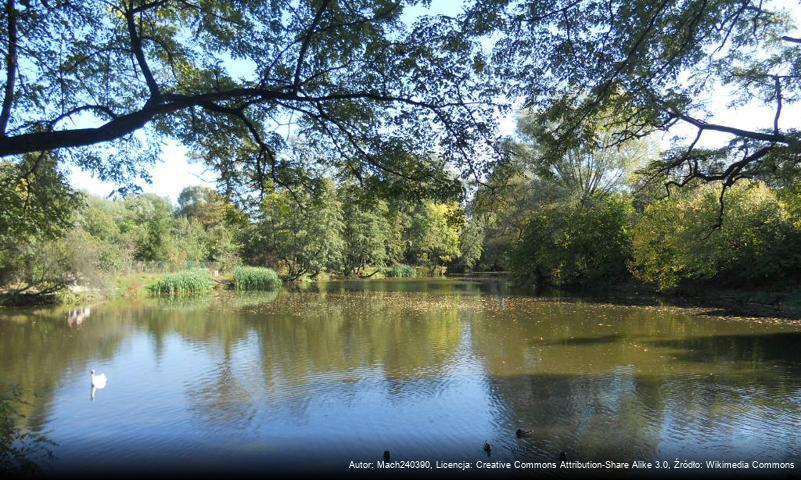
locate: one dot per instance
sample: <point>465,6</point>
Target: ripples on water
<point>424,368</point>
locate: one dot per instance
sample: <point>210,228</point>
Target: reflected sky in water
<point>423,368</point>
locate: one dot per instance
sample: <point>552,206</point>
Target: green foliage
<point>676,238</point>
<point>148,220</point>
<point>433,233</point>
<point>37,207</point>
<point>37,202</point>
<point>187,282</point>
<point>371,94</point>
<point>400,270</point>
<point>578,245</point>
<point>301,233</point>
<point>595,168</point>
<point>649,65</point>
<point>256,278</point>
<point>471,243</point>
<point>187,242</point>
<point>202,204</point>
<point>366,231</point>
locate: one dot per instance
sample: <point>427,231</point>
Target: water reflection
<point>76,316</point>
<point>423,368</point>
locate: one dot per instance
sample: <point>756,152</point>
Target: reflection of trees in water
<point>37,346</point>
<point>612,382</point>
<point>427,286</point>
<point>305,337</point>
<point>220,399</point>
<point>352,338</point>
<point>591,379</point>
<point>308,342</point>
<point>208,320</point>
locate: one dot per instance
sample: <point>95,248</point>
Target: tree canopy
<point>368,89</point>
<point>363,91</point>
<point>648,65</point>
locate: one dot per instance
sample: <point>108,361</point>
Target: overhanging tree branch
<point>125,124</point>
<point>738,132</point>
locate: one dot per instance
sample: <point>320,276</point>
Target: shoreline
<point>703,301</point>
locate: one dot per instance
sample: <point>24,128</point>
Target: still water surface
<point>423,368</point>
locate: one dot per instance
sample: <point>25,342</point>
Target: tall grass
<point>187,282</point>
<point>256,278</point>
<point>400,270</point>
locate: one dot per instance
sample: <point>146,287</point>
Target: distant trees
<point>471,243</point>
<point>324,227</point>
<point>341,229</point>
<point>559,217</point>
<point>299,232</point>
<point>585,216</point>
<point>366,231</point>
<point>594,168</point>
<point>433,233</point>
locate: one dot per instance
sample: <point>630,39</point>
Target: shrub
<point>186,282</point>
<point>574,245</point>
<point>256,278</point>
<point>400,270</point>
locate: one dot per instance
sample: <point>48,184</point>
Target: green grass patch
<point>400,270</point>
<point>256,278</point>
<point>187,282</point>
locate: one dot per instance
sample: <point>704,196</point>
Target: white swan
<point>98,381</point>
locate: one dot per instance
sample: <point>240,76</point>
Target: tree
<point>187,245</point>
<point>37,208</point>
<point>301,233</point>
<point>366,231</point>
<point>596,168</point>
<point>537,178</point>
<point>757,243</point>
<point>371,95</point>
<point>148,219</point>
<point>574,245</point>
<point>471,243</point>
<point>202,204</point>
<point>649,65</point>
<point>433,233</point>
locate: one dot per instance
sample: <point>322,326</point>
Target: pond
<point>424,368</point>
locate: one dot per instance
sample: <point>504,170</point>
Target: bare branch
<point>98,108</point>
<point>738,132</point>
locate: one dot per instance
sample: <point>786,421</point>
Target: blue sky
<point>174,171</point>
